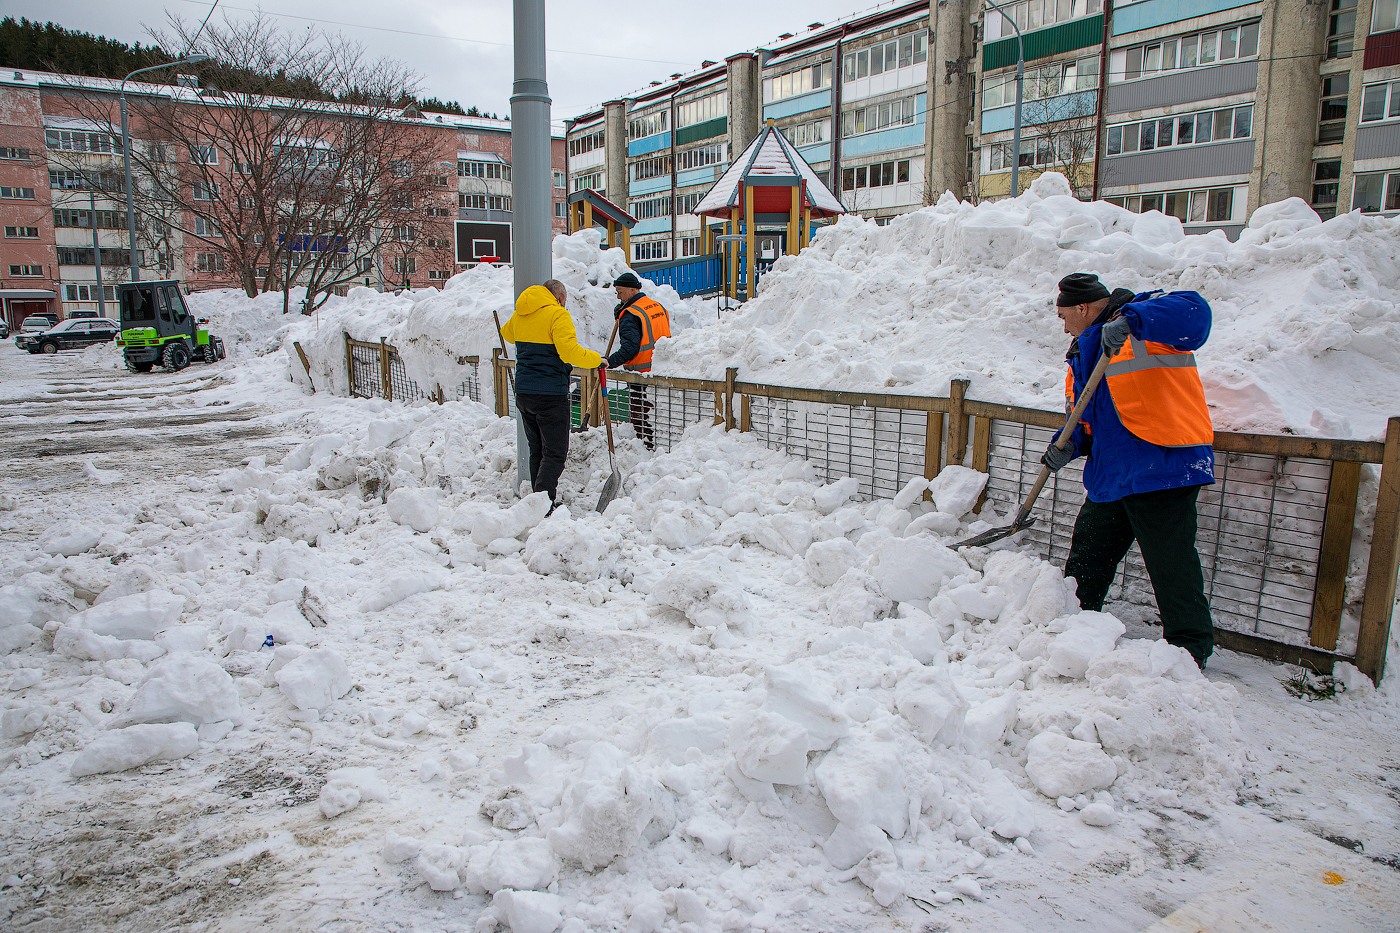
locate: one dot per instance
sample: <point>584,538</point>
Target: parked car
<point>83,312</point>
<point>73,334</point>
<point>30,328</point>
<point>4,329</point>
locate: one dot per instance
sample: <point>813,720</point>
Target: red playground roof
<point>771,166</point>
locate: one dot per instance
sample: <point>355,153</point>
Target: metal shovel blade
<point>995,534</point>
<point>610,490</point>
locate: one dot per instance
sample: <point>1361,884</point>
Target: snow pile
<point>1306,319</point>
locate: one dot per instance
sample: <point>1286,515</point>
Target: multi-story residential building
<point>1203,109</point>
<point>60,178</point>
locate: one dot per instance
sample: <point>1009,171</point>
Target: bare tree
<point>1058,132</point>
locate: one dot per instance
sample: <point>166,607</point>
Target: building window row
<point>1047,81</point>
<point>1380,102</point>
<point>106,220</point>
<point>701,156</point>
<point>649,125</point>
<point>80,141</point>
<point>1073,148</point>
<point>692,246</point>
<point>1194,51</point>
<point>592,180</point>
<point>1209,205</point>
<point>1190,129</point>
<point>652,250</point>
<point>83,256</point>
<point>482,202</point>
<point>808,134</point>
<point>14,154</point>
<point>798,81</point>
<point>879,175</point>
<point>654,167</point>
<point>16,194</point>
<point>1376,191</point>
<point>1033,14</point>
<point>650,208</point>
<point>878,116</point>
<point>88,292</point>
<point>21,233</point>
<point>498,170</point>
<point>25,271</point>
<point>711,107</point>
<point>887,56</point>
<point>438,275</point>
<point>205,192</point>
<point>685,203</point>
<point>81,181</point>
<point>586,143</point>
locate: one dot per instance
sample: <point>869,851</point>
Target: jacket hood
<point>534,299</point>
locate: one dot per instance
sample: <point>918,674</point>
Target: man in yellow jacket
<point>547,349</point>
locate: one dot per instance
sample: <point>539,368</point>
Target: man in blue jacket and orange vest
<point>1147,435</point>
<point>641,322</point>
<point>547,349</point>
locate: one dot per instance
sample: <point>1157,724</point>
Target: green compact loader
<point>157,328</point>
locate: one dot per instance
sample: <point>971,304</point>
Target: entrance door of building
<point>19,310</point>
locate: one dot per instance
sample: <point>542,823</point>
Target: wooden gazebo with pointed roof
<point>588,208</point>
<point>769,184</point>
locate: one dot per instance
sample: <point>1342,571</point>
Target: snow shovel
<point>1024,519</point>
<point>614,484</point>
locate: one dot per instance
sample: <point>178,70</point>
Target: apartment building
<point>52,149</point>
<point>1203,109</point>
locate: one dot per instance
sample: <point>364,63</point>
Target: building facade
<point>52,149</point>
<point>1203,109</point>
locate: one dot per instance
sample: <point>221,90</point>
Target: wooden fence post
<point>349,368</point>
<point>305,365</point>
<point>957,427</point>
<point>498,383</point>
<point>981,453</point>
<point>745,413</point>
<point>1335,556</point>
<point>1376,608</point>
<point>385,385</point>
<point>731,376</point>
<point>933,448</point>
<point>719,408</point>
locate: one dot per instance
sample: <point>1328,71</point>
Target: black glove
<point>1055,458</point>
<point>1114,334</point>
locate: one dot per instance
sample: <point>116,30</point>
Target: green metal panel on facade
<point>1066,37</point>
<point>716,127</point>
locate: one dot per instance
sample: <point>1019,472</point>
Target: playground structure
<point>589,209</point>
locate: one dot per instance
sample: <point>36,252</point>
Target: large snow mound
<point>1306,332</point>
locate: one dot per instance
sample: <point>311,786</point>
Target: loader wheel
<point>175,357</point>
<point>140,367</point>
<point>209,354</point>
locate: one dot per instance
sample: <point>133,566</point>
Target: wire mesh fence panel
<point>406,389</point>
<point>364,371</point>
<point>1259,530</point>
<point>662,414</point>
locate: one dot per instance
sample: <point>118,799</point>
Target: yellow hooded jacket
<point>547,346</point>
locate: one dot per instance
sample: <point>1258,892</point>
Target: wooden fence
<point>376,371</point>
<point>1275,531</point>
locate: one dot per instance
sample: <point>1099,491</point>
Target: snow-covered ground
<point>738,700</point>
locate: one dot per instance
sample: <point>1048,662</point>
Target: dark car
<point>4,330</point>
<point>72,334</point>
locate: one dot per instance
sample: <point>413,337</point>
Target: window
<point>586,143</point>
<point>807,134</point>
<point>649,125</point>
<point>88,292</point>
<point>1210,205</point>
<point>26,271</point>
<point>243,168</point>
<point>593,180</point>
<point>1375,191</point>
<point>1193,51</point>
<point>1064,149</point>
<point>877,116</point>
<point>559,180</point>
<point>82,256</point>
<point>499,203</point>
<point>701,156</point>
<point>400,168</point>
<point>652,249</point>
<point>1331,124</point>
<point>1385,15</point>
<point>1182,130</point>
<point>560,209</point>
<point>21,233</point>
<point>887,56</point>
<point>802,80</point>
<point>204,155</point>
<point>205,228</point>
<point>1325,181</point>
<point>16,194</point>
<point>492,170</point>
<point>472,201</point>
<point>691,246</point>
<point>401,199</point>
<point>711,107</point>
<point>1047,81</point>
<point>1380,102</point>
<point>648,208</point>
<point>438,275</point>
<point>437,242</point>
<point>209,262</point>
<point>1033,14</point>
<point>247,204</point>
<point>1341,26</point>
<point>205,192</point>
<point>879,175</point>
<point>685,203</point>
<point>654,167</point>
<point>403,234</point>
<point>14,154</point>
<point>405,265</point>
<point>79,141</point>
<point>67,181</point>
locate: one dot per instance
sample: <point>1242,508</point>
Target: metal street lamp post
<point>1020,77</point>
<point>191,59</point>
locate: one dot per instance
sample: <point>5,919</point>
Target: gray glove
<point>1114,334</point>
<point>1055,458</point>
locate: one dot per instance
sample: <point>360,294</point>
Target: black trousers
<point>639,413</point>
<point>1164,525</point>
<point>546,419</point>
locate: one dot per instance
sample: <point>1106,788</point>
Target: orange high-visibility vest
<point>1157,393</point>
<point>656,323</point>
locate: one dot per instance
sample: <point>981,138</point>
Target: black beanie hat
<point>628,280</point>
<point>1080,288</point>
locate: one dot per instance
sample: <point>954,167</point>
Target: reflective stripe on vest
<point>655,325</point>
<point>1157,393</point>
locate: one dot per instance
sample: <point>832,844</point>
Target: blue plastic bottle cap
<point>268,642</point>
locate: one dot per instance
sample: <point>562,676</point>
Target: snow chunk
<point>988,723</point>
<point>832,496</point>
<point>1088,635</point>
<point>183,688</point>
<point>770,748</point>
<point>562,547</point>
<point>914,568</point>
<point>525,864</point>
<point>863,783</point>
<point>604,809</point>
<point>955,489</point>
<point>1004,809</point>
<point>315,680</point>
<point>22,720</point>
<point>934,706</point>
<point>1063,767</point>
<point>416,508</point>
<point>69,538</point>
<point>140,615</point>
<point>793,696</point>
<point>826,561</point>
<point>122,749</point>
<point>529,911</point>
<point>705,599</point>
<point>403,584</point>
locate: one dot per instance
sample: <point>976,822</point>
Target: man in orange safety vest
<point>641,322</point>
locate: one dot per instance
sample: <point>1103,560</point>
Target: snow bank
<point>1306,332</point>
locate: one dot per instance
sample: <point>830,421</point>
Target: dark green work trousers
<point>1163,523</point>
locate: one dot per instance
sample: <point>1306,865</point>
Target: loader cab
<point>158,328</point>
<point>155,305</point>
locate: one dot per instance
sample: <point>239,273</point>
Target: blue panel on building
<point>903,137</point>
<point>647,186</point>
<point>700,176</point>
<point>1150,13</point>
<point>802,103</point>
<point>821,152</point>
<point>649,144</point>
<point>1036,111</point>
<point>652,225</point>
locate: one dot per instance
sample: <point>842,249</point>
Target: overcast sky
<point>598,51</point>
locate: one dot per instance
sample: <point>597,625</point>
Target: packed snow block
<point>565,548</point>
<point>1063,767</point>
<point>977,600</point>
<point>1013,574</point>
<point>1003,808</point>
<point>122,749</point>
<point>1087,636</point>
<point>826,561</point>
<point>315,680</point>
<point>140,615</point>
<point>490,525</point>
<point>938,523</point>
<point>69,538</point>
<point>857,599</point>
<point>1172,662</point>
<point>832,496</point>
<point>387,432</point>
<point>956,488</point>
<point>286,624</point>
<point>987,723</point>
<point>400,848</point>
<point>1098,814</point>
<point>523,863</point>
<point>910,493</point>
<point>604,811</point>
<point>910,569</point>
<point>674,737</point>
<point>529,911</point>
<point>848,846</point>
<point>401,586</point>
<point>771,748</point>
<point>714,833</point>
<point>704,599</point>
<point>792,695</point>
<point>681,528</point>
<point>714,488</point>
<point>917,633</point>
<point>784,534</point>
<point>531,510</point>
<point>862,782</point>
<point>22,720</point>
<point>440,866</point>
<point>183,688</point>
<point>933,705</point>
<point>416,508</point>
<point>20,635</point>
<point>298,521</point>
<point>337,798</point>
<point>37,598</point>
<point>70,641</point>
<point>528,766</point>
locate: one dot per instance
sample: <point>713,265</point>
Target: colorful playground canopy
<point>771,166</point>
